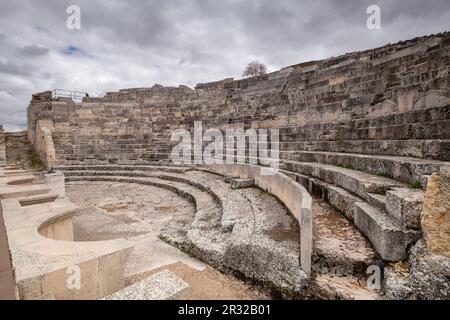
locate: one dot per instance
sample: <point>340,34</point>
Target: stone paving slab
<point>164,285</point>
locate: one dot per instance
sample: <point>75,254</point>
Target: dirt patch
<point>165,209</point>
<point>282,233</point>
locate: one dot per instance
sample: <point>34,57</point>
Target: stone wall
<point>2,146</point>
<point>353,97</point>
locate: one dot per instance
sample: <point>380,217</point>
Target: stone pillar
<point>44,145</point>
<point>56,182</point>
<point>306,239</point>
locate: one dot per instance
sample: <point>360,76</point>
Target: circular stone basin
<point>123,210</point>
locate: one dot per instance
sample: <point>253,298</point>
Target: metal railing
<point>74,95</point>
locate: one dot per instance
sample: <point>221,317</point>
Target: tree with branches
<point>254,68</point>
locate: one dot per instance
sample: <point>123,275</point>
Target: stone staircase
<point>377,182</point>
<point>368,200</point>
<point>419,134</point>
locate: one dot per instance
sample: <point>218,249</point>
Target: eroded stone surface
<point>436,213</point>
<point>427,276</point>
<point>163,285</point>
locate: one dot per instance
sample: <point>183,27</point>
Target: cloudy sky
<point>138,43</point>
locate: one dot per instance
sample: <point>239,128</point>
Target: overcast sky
<point>138,43</point>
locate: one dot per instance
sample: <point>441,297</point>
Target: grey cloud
<point>13,68</point>
<point>34,51</point>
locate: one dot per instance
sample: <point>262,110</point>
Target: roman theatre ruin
<point>93,207</point>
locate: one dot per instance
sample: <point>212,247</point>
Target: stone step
<point>334,252</point>
<point>405,205</point>
<point>339,247</point>
<point>122,168</point>
<point>24,191</point>
<point>381,230</point>
<point>163,285</point>
<point>356,182</point>
<point>388,236</point>
<point>405,118</point>
<point>427,149</point>
<point>377,200</point>
<point>344,202</point>
<point>415,131</point>
<point>405,169</point>
<point>33,200</point>
<point>338,198</point>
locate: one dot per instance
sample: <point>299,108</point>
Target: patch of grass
<point>382,174</point>
<point>13,145</point>
<point>348,166</point>
<point>341,212</point>
<point>415,184</point>
<point>34,162</point>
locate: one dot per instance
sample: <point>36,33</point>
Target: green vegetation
<point>34,162</point>
<point>341,212</point>
<point>382,174</point>
<point>415,184</point>
<point>348,166</point>
<point>13,145</point>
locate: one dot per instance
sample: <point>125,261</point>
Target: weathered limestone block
<point>43,96</point>
<point>242,183</point>
<point>44,142</point>
<point>436,213</point>
<point>163,285</point>
<point>406,102</point>
<point>435,98</point>
<point>405,204</point>
<point>388,236</point>
<point>56,182</point>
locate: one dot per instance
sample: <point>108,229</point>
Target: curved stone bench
<point>294,196</point>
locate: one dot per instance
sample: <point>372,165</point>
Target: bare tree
<point>254,68</point>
